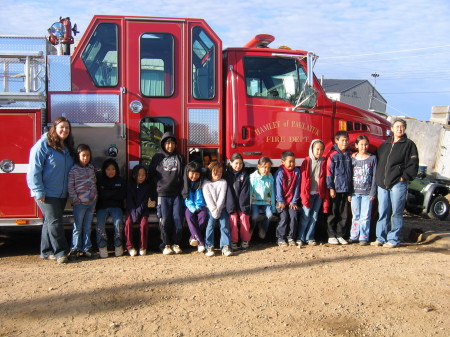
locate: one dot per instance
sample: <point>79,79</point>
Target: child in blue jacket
<point>339,183</point>
<point>262,195</point>
<point>196,212</point>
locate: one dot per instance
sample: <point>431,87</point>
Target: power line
<point>416,92</point>
<point>378,60</point>
<point>387,52</point>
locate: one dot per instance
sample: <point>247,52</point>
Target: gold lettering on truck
<point>308,127</point>
<point>286,124</point>
<point>275,139</point>
<point>267,127</point>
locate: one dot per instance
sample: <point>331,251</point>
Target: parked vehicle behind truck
<point>428,196</point>
<point>130,79</point>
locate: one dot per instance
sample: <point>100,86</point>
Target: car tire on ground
<point>439,208</point>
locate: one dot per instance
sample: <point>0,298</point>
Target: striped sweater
<point>82,184</point>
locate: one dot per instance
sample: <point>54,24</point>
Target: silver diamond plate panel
<point>203,126</point>
<point>85,108</point>
<point>22,43</point>
<point>59,73</point>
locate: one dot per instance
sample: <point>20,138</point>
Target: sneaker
<point>333,241</point>
<point>142,252</point>
<point>103,252</point>
<point>342,241</point>
<point>73,254</point>
<point>363,243</point>
<point>193,242</point>
<point>291,242</point>
<point>210,251</point>
<point>389,245</point>
<point>312,243</point>
<point>262,233</point>
<point>282,243</point>
<point>299,243</point>
<point>350,241</point>
<point>376,244</point>
<point>226,251</point>
<point>132,252</point>
<point>200,248</point>
<point>176,249</point>
<point>118,251</point>
<point>50,257</point>
<point>234,246</point>
<point>167,250</point>
<point>245,245</point>
<point>90,254</point>
<point>62,260</point>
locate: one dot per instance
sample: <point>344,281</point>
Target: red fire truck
<point>130,79</point>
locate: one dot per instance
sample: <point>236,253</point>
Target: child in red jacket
<point>313,191</point>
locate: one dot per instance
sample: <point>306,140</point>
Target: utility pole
<point>374,75</point>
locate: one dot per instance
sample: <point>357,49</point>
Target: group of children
<point>240,203</point>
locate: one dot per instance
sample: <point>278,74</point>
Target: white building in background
<point>441,114</point>
<point>359,93</point>
<point>433,141</point>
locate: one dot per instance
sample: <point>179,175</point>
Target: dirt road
<point>265,291</point>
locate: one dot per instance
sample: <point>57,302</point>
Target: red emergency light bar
<point>260,41</point>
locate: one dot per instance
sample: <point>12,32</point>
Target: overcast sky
<point>407,42</point>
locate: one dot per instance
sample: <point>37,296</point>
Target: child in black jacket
<point>111,191</point>
<point>239,183</point>
<point>166,173</point>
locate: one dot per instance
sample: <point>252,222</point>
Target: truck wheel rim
<point>439,208</point>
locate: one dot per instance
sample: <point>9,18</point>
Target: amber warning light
<point>21,222</point>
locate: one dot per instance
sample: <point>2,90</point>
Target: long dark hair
<point>361,137</point>
<point>108,162</point>
<point>53,139</point>
<point>235,156</point>
<point>135,172</point>
<point>81,148</point>
<point>192,166</point>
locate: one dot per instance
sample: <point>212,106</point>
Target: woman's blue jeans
<point>391,204</point>
<point>53,240</point>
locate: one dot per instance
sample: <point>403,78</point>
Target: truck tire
<point>439,208</point>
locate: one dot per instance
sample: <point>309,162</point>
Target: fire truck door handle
<point>123,91</point>
<point>233,98</point>
<point>245,132</point>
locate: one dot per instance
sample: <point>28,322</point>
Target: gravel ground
<point>266,291</point>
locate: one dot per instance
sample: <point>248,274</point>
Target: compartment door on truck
<point>154,77</point>
<point>17,136</point>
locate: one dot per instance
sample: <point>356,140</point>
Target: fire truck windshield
<point>278,78</point>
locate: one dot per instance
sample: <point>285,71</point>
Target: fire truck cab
<point>130,79</point>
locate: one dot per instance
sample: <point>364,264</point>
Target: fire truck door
<point>266,122</point>
<point>154,80</point>
<point>17,136</point>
